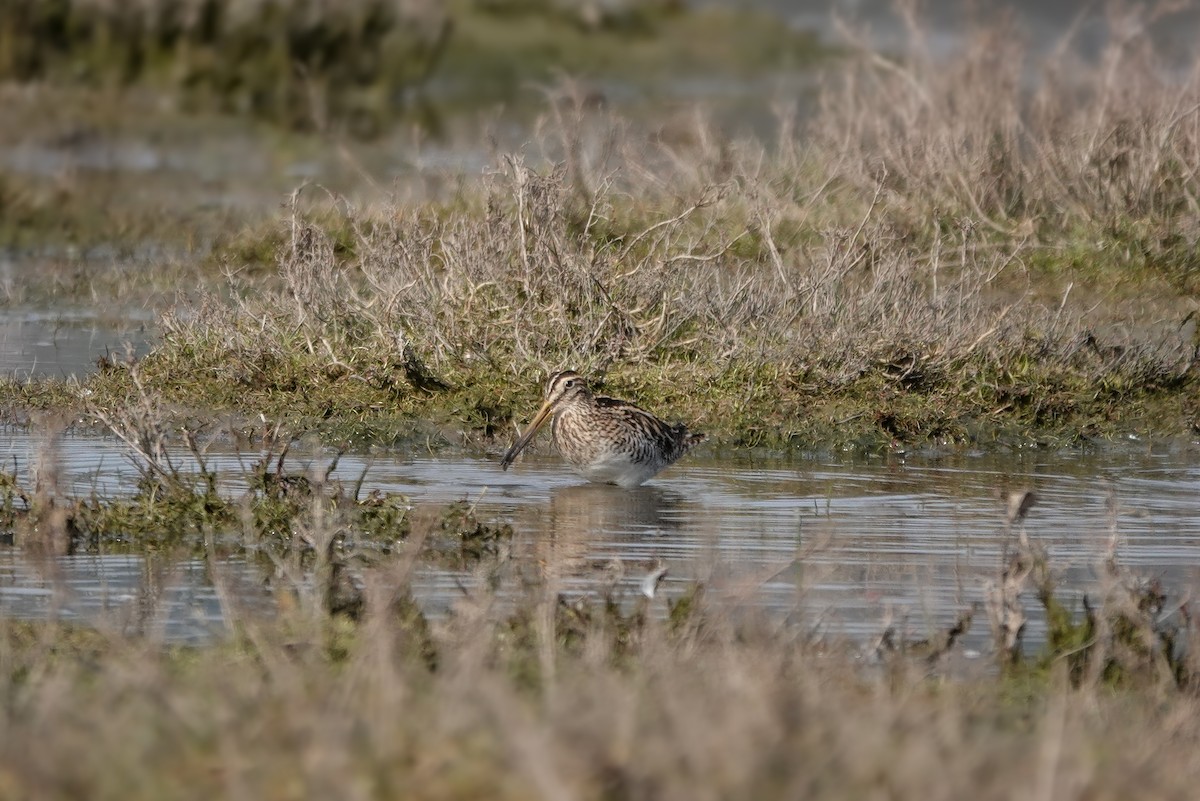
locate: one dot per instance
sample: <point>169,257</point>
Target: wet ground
<point>844,546</point>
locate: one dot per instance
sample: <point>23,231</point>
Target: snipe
<point>606,440</point>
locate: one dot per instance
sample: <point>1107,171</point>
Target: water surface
<point>845,546</point>
<point>60,343</point>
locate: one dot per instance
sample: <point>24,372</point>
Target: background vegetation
<point>936,254</point>
<point>361,65</point>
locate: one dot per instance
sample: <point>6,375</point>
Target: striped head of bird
<point>563,389</point>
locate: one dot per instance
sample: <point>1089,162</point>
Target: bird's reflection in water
<point>582,518</point>
<point>602,510</point>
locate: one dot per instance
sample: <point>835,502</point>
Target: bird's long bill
<point>539,419</point>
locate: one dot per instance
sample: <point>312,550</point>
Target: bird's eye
<point>570,383</point>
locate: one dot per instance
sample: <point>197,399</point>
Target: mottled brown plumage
<point>606,440</point>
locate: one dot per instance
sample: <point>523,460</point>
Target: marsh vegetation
<point>930,253</point>
<point>938,253</point>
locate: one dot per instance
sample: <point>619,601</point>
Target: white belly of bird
<point>617,469</point>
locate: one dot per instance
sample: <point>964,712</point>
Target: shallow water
<point>63,343</point>
<point>174,602</point>
<point>846,546</point>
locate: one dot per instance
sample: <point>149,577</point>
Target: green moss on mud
<point>282,514</point>
<point>774,407</point>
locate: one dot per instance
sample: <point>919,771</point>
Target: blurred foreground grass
<point>520,692</point>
